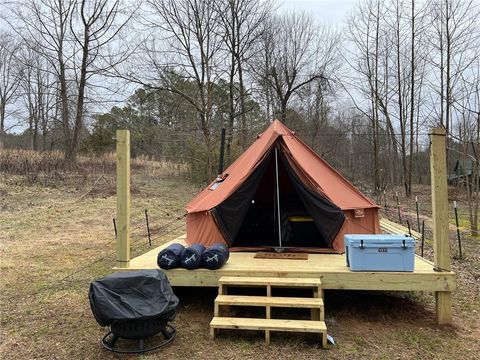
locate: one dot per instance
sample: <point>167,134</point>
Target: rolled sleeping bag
<point>169,258</point>
<point>191,257</point>
<point>215,256</point>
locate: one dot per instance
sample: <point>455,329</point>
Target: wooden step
<point>309,326</point>
<point>268,324</point>
<point>272,301</point>
<point>273,281</point>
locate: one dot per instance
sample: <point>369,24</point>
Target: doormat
<point>284,255</point>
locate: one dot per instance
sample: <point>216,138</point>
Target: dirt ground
<point>54,242</point>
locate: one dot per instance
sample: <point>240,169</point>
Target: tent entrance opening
<point>260,227</point>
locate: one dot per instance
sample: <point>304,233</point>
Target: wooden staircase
<point>223,302</point>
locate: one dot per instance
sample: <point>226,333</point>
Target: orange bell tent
<point>280,194</point>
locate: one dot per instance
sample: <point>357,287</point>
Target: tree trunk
<point>375,117</point>
<point>448,94</point>
<point>31,114</point>
<point>2,122</point>
<point>74,142</point>
<point>412,103</point>
<point>231,114</point>
<point>243,110</point>
<point>64,104</point>
<point>283,110</point>
<point>44,130</point>
<point>400,107</point>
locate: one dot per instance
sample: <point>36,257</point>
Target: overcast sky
<point>326,11</point>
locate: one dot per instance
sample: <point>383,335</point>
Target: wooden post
<point>123,198</point>
<point>268,314</point>
<point>441,244</point>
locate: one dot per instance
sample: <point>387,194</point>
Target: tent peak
<point>277,128</point>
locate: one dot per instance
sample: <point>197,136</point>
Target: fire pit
<point>136,306</point>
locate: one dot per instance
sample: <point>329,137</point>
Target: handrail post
<point>123,198</point>
<point>441,243</point>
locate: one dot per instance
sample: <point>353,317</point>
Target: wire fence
<point>399,212</point>
<point>418,217</point>
<point>139,240</point>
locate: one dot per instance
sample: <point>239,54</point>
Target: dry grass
<point>49,168</point>
<point>48,233</point>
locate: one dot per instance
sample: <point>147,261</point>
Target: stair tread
<point>269,324</point>
<point>245,300</point>
<point>293,282</point>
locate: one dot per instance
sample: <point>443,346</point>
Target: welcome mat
<point>284,255</point>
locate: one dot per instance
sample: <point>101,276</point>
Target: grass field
<point>55,240</point>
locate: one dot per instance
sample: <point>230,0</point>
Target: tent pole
<point>278,198</point>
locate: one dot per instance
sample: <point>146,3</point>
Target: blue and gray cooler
<point>382,252</point>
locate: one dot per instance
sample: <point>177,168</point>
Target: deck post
<point>123,198</point>
<point>441,243</point>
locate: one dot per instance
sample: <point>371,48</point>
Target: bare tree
<point>260,66</point>
<point>43,26</point>
<point>10,75</point>
<point>391,63</point>
<point>184,45</point>
<point>99,22</point>
<point>367,34</point>
<point>241,24</point>
<point>301,53</point>
<point>467,107</point>
<point>313,101</point>
<point>38,92</point>
<point>73,36</point>
<point>30,94</point>
<point>453,37</point>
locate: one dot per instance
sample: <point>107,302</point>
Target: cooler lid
<point>379,240</point>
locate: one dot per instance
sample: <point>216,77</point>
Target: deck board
<point>331,269</point>
<point>269,324</point>
<point>272,301</point>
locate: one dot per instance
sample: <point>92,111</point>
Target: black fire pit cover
<point>133,295</point>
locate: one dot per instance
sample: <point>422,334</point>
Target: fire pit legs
<point>109,341</point>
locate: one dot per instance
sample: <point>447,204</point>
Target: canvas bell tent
<point>280,194</point>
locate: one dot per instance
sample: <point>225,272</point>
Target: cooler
<point>382,252</point>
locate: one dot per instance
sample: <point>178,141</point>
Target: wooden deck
<point>330,268</point>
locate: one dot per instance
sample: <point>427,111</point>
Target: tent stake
<point>458,230</point>
<point>423,235</point>
<point>115,227</point>
<point>398,209</point>
<point>148,229</point>
<point>385,200</point>
<point>418,214</point>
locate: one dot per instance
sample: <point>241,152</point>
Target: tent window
<point>215,185</point>
<point>220,178</point>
